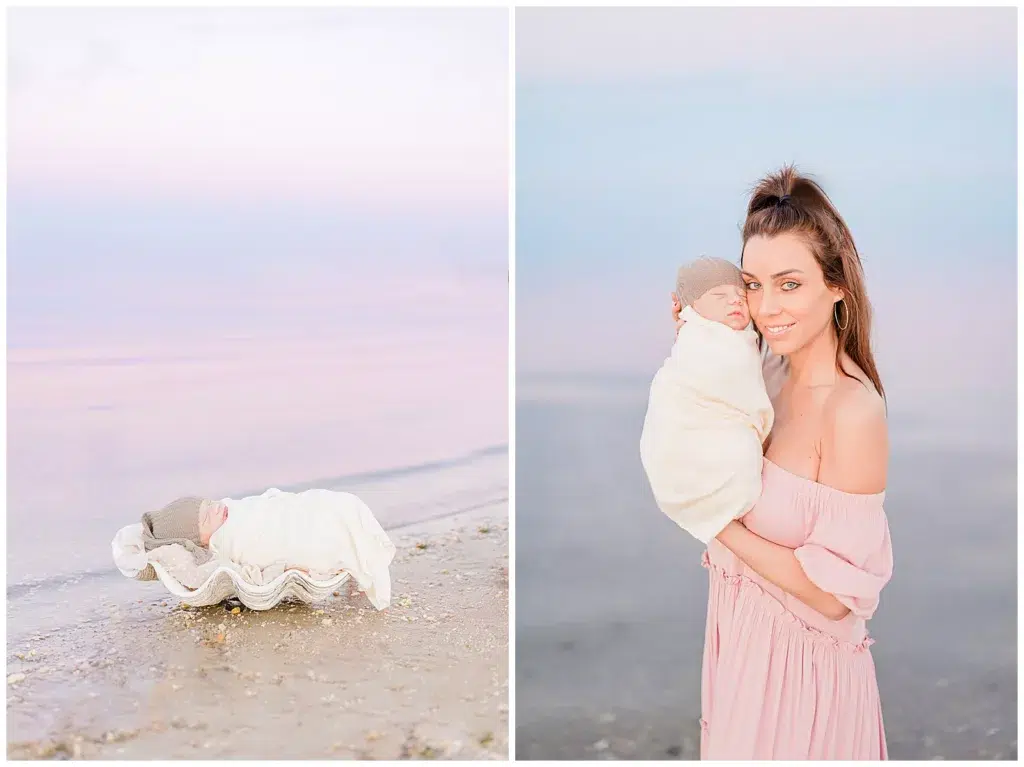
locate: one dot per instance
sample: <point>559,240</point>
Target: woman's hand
<point>676,308</point>
<point>778,564</point>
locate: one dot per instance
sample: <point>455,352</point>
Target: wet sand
<point>427,678</point>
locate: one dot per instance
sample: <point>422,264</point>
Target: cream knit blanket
<point>707,417</point>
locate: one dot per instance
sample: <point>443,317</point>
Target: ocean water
<point>611,597</point>
<point>413,419</point>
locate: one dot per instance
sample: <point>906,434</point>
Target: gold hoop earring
<point>841,327</point>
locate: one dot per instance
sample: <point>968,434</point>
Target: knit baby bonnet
<point>177,522</point>
<point>699,276</point>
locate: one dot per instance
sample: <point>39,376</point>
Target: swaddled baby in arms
<point>709,412</point>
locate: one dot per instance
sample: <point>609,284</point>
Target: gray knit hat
<point>698,277</point>
<point>177,522</point>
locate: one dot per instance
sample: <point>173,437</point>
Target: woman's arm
<point>854,454</point>
<point>778,565</point>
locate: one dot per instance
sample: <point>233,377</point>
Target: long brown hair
<point>788,201</point>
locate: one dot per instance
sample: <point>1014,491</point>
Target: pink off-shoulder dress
<point>780,680</point>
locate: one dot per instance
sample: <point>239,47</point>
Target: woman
<point>787,671</point>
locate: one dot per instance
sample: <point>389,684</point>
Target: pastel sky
<point>318,104</point>
<point>639,133</point>
<point>237,171</point>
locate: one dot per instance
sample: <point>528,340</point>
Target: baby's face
<point>726,304</point>
<point>212,516</point>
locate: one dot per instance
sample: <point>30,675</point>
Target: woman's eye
<point>753,285</point>
<point>790,285</point>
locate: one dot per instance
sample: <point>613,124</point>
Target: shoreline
<point>426,678</point>
<point>399,494</point>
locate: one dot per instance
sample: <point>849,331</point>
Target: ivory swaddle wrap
<point>322,531</point>
<point>707,417</point>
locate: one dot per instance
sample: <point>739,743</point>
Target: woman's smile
<point>777,330</point>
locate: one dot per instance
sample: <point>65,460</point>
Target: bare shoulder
<point>855,439</point>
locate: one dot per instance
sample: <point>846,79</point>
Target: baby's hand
<point>676,309</point>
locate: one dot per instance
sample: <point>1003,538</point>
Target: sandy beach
<point>146,678</point>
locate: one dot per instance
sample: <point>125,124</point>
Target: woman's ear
<point>838,294</point>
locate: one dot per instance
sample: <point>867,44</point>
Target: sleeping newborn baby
<point>320,532</point>
<point>708,412</point>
